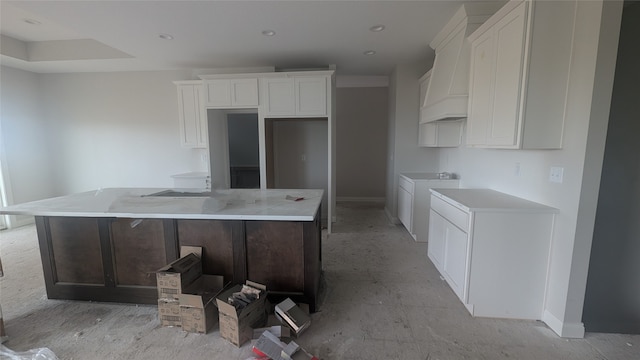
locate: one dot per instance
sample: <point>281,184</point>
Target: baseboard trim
<point>392,219</point>
<point>16,221</point>
<point>360,199</point>
<point>565,330</point>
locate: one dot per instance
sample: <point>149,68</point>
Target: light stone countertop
<point>489,200</point>
<point>230,204</point>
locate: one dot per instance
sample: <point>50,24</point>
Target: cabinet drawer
<point>406,184</point>
<point>456,216</point>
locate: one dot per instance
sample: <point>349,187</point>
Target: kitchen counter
<point>233,204</point>
<point>106,245</point>
<point>489,200</point>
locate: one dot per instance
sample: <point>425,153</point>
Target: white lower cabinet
<point>414,199</point>
<point>492,249</point>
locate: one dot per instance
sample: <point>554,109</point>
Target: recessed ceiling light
<point>32,21</point>
<point>369,52</point>
<point>165,37</point>
<point>376,28</point>
<point>268,32</point>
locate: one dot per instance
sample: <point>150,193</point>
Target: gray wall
<point>612,300</point>
<point>300,155</point>
<point>361,143</point>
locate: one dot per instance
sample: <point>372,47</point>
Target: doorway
<point>234,160</point>
<point>297,155</point>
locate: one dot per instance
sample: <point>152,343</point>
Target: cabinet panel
<point>279,96</point>
<point>218,93</point>
<point>481,90</point>
<point>405,208</point>
<point>73,239</point>
<point>244,92</point>
<point>509,51</point>
<point>311,95</point>
<point>216,239</point>
<point>427,134</point>
<point>275,254</point>
<point>138,250</point>
<point>191,116</point>
<point>455,258</point>
<point>437,234</point>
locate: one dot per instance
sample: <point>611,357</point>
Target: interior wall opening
<point>234,160</point>
<point>297,155</point>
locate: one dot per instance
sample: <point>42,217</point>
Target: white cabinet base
<point>492,249</point>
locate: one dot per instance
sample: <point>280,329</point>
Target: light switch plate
<point>556,174</point>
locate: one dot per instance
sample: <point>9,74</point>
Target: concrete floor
<point>383,300</point>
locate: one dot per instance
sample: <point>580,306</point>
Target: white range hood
<point>448,91</point>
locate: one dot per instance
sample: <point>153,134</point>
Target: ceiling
<point>97,36</point>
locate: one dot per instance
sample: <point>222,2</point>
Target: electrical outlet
<point>556,174</point>
<point>516,170</point>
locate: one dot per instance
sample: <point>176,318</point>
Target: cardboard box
<point>172,279</point>
<point>169,312</point>
<point>198,310</point>
<point>236,326</point>
<point>292,316</point>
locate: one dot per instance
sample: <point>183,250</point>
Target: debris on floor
<point>33,354</point>
<point>292,316</point>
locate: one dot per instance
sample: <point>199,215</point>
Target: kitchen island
<point>106,245</point>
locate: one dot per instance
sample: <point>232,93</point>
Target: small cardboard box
<point>169,312</point>
<point>198,310</point>
<point>236,326</point>
<point>172,279</point>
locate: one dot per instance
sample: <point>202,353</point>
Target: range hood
<point>448,90</point>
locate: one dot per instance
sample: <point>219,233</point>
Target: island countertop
<point>228,204</point>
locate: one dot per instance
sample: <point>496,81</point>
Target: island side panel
<point>312,260</point>
<point>275,254</point>
<point>139,250</point>
<point>217,239</point>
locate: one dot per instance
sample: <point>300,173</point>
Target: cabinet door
<point>244,92</point>
<point>509,40</point>
<point>405,208</point>
<point>218,93</point>
<point>437,235</point>
<point>311,95</point>
<point>191,119</point>
<point>480,89</point>
<point>427,134</point>
<point>279,96</point>
<point>455,259</point>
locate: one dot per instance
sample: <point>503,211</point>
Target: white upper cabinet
<point>231,93</point>
<point>519,74</point>
<point>296,95</point>
<point>191,114</point>
<point>279,96</point>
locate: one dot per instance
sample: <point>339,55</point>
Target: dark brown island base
<point>106,245</point>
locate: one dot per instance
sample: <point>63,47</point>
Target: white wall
<point>581,158</point>
<point>25,141</point>
<point>403,152</point>
<point>114,130</point>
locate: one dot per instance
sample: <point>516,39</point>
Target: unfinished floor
<point>383,300</point>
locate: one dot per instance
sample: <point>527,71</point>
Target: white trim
<point>394,220</point>
<point>361,81</point>
<point>561,328</point>
<point>360,199</point>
